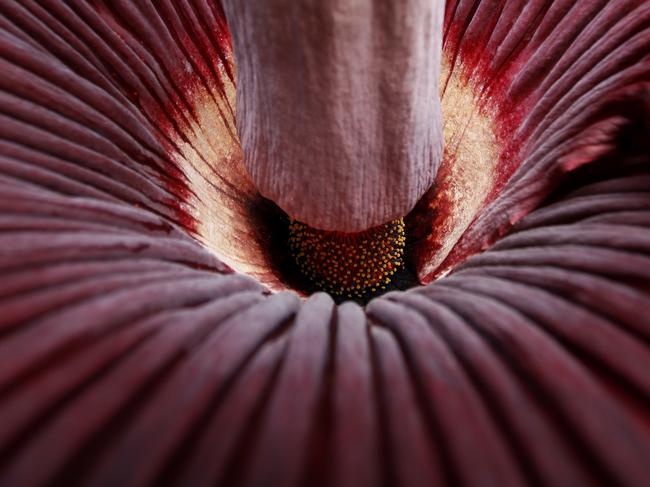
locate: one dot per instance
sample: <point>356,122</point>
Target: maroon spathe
<point>130,354</point>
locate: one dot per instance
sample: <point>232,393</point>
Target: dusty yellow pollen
<point>349,265</point>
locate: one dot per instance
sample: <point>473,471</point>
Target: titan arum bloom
<point>179,210</point>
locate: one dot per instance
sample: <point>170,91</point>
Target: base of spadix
<point>349,265</point>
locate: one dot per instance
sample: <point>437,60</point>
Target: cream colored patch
<point>211,159</point>
<point>468,170</point>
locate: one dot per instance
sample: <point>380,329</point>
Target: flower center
<point>349,265</point>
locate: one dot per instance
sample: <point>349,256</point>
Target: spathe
<point>130,353</point>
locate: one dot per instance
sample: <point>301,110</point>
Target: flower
<point>144,334</point>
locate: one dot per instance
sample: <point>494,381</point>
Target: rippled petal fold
<point>132,352</point>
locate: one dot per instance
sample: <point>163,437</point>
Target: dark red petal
<point>555,82</point>
<point>130,353</point>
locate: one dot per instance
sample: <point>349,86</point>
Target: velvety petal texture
<point>135,350</point>
<point>556,80</point>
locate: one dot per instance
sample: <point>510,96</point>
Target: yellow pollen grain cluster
<point>350,265</point>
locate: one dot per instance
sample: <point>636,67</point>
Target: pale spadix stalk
<point>337,105</point>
